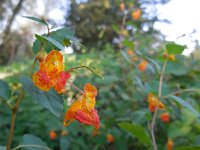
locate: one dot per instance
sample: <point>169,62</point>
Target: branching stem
<point>156,110</point>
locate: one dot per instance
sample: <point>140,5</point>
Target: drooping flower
<point>165,117</point>
<point>52,135</point>
<point>51,73</point>
<point>153,102</point>
<point>136,14</point>
<point>142,66</point>
<point>83,109</point>
<point>110,138</point>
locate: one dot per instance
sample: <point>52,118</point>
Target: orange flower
<point>170,144</point>
<point>83,109</point>
<point>130,52</point>
<point>52,135</point>
<point>171,57</point>
<point>110,138</point>
<point>165,117</point>
<point>136,14</point>
<point>142,66</point>
<point>51,73</point>
<point>153,102</point>
<point>122,6</point>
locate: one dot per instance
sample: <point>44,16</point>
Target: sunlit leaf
<point>173,48</point>
<point>54,42</point>
<point>137,131</point>
<point>41,21</point>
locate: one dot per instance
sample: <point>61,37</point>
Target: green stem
<point>32,67</point>
<point>75,87</point>
<point>180,91</point>
<point>156,110</point>
<point>37,146</point>
<point>13,118</point>
<point>78,67</point>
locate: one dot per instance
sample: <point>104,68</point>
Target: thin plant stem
<point>36,146</point>
<point>180,91</point>
<point>32,67</point>
<point>156,110</point>
<point>78,67</point>
<point>13,118</point>
<point>76,88</point>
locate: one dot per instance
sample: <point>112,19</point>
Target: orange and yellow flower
<point>110,138</point>
<point>153,102</point>
<point>136,14</point>
<point>83,109</point>
<point>142,66</point>
<point>51,73</point>
<point>165,117</point>
<point>52,135</point>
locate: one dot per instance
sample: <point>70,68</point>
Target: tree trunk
<point>5,49</point>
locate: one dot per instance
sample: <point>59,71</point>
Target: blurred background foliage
<point>114,50</point>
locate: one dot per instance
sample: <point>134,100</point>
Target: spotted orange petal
<point>70,113</point>
<point>53,64</point>
<point>42,81</point>
<point>88,118</point>
<point>60,84</point>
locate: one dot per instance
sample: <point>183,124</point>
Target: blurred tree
<point>7,49</point>
<point>94,19</point>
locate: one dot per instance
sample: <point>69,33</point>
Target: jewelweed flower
<point>52,135</point>
<point>136,14</point>
<point>165,117</point>
<point>51,73</point>
<point>153,102</point>
<point>110,138</point>
<point>142,66</point>
<point>83,109</point>
<point>170,144</point>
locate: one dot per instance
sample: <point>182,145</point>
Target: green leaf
<point>136,130</point>
<point>54,42</point>
<point>173,48</point>
<point>185,104</point>
<point>67,32</point>
<point>197,147</point>
<point>40,38</point>
<point>50,100</point>
<point>5,91</point>
<point>41,21</point>
<point>36,46</point>
<point>64,143</point>
<point>31,142</point>
<point>2,147</point>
